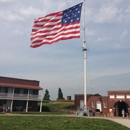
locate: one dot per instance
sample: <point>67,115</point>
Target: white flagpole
<point>85,60</point>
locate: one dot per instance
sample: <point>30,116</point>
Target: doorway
<point>119,106</point>
<point>99,105</point>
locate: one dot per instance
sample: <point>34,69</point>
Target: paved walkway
<point>125,122</point>
<point>120,120</point>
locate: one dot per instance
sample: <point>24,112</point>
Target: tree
<point>96,94</point>
<point>60,94</point>
<point>46,95</point>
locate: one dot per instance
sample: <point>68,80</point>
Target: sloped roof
<point>20,86</point>
<point>19,83</point>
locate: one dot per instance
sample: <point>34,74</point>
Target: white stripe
<point>41,23</point>
<point>48,17</point>
<point>58,26</point>
<point>61,36</point>
<point>46,24</point>
<point>52,32</point>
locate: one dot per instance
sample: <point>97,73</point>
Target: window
<point>30,104</point>
<point>93,104</point>
<point>21,92</point>
<point>120,96</point>
<point>2,91</point>
<point>112,96</point>
<point>30,92</point>
<point>105,104</point>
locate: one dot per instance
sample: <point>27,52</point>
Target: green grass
<point>56,123</point>
<point>39,113</point>
<point>50,105</point>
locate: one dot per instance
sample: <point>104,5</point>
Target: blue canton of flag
<point>72,14</point>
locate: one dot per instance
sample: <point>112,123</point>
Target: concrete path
<point>123,121</point>
<point>120,120</point>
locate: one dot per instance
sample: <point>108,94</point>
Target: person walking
<point>123,113</point>
<point>111,113</point>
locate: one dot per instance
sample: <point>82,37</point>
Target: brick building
<point>118,100</point>
<point>19,94</point>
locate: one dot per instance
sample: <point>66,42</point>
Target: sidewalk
<point>123,121</point>
<point>120,120</point>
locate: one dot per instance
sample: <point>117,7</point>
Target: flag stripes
<point>50,29</point>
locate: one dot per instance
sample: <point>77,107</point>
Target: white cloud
<point>10,16</point>
<point>31,12</point>
<point>90,32</point>
<point>124,33</point>
<point>102,39</point>
<point>19,32</point>
<point>108,14</point>
<point>127,10</point>
<point>5,1</point>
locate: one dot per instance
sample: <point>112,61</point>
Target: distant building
<point>19,94</point>
<point>118,100</point>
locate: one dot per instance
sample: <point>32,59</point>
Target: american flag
<point>57,26</point>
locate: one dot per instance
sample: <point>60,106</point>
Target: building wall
<point>20,95</point>
<point>118,96</point>
<point>113,100</point>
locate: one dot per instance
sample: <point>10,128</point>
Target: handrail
<point>19,96</point>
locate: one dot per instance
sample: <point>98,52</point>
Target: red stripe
<point>47,31</point>
<point>45,36</point>
<point>35,45</point>
<point>55,29</point>
<point>51,26</point>
<point>53,23</point>
<point>44,19</point>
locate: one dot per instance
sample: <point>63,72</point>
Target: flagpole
<point>85,60</point>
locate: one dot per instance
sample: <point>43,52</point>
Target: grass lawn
<point>56,123</point>
<point>51,105</point>
<point>39,113</point>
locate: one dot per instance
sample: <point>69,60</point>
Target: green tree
<point>46,95</point>
<point>60,94</point>
<point>96,94</point>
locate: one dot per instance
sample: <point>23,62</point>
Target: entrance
<point>119,106</point>
<point>99,106</point>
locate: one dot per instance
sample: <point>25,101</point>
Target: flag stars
<point>72,14</point>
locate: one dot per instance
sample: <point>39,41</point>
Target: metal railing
<point>20,96</point>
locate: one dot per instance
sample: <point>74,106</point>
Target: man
<point>123,113</point>
<point>111,113</point>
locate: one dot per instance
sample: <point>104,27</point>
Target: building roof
<point>19,83</point>
<point>119,91</point>
<point>20,86</point>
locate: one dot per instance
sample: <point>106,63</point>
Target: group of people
<point>122,112</point>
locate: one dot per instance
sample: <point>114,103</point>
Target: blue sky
<point>61,64</point>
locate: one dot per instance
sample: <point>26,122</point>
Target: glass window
<point>93,104</point>
<point>31,92</point>
<point>105,104</point>
<point>2,90</point>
